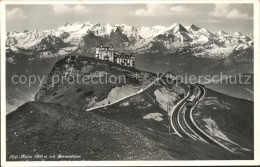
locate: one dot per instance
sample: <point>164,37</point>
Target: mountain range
<point>179,49</point>
<point>176,38</point>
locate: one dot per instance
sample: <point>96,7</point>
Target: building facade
<point>108,53</point>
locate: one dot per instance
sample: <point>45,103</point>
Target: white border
<point>256,160</point>
<point>3,86</point>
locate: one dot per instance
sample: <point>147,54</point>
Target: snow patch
<point>118,93</point>
<point>124,104</point>
<point>154,116</point>
<point>245,149</point>
<point>165,97</point>
<point>213,101</point>
<point>149,129</point>
<point>213,129</point>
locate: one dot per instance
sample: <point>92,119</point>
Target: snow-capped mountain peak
<point>109,26</point>
<point>206,32</point>
<point>192,28</point>
<point>176,27</point>
<point>159,27</point>
<point>221,33</point>
<point>128,37</point>
<point>237,34</point>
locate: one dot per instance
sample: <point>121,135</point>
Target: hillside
<point>134,127</point>
<point>99,90</point>
<point>145,112</point>
<point>229,120</point>
<point>42,127</point>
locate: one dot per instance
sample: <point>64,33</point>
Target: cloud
<point>161,10</point>
<point>152,10</point>
<point>179,8</point>
<point>228,11</point>
<point>212,21</point>
<point>15,13</point>
<point>60,9</point>
<point>64,9</point>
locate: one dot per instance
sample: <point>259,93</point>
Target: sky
<point>214,17</point>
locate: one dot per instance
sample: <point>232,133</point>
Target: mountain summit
<point>72,36</point>
<point>192,28</point>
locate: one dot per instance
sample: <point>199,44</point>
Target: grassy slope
<point>51,129</point>
<point>138,138</point>
<point>75,95</point>
<point>236,121</point>
<point>143,104</point>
